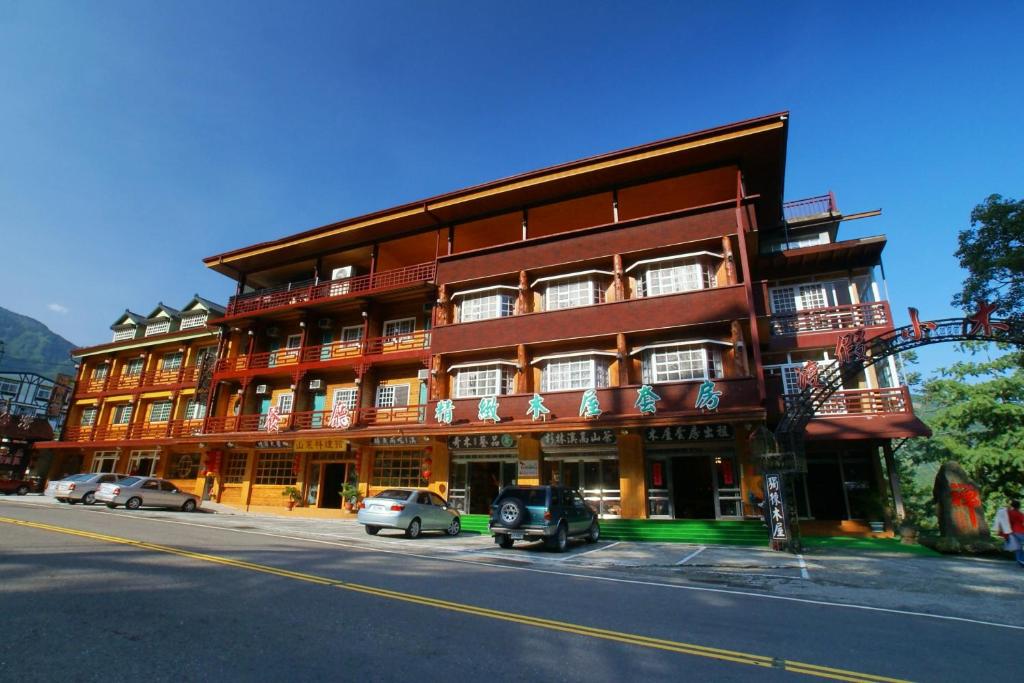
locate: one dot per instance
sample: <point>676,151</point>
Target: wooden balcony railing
<point>140,430</point>
<point>151,378</point>
<point>98,384</point>
<point>79,433</point>
<point>325,353</point>
<point>885,401</point>
<point>287,295</point>
<point>126,381</point>
<point>414,341</point>
<point>315,419</point>
<point>846,317</point>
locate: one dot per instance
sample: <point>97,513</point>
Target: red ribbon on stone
<point>965,495</point>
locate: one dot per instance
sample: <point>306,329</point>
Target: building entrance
<point>693,495</point>
<point>325,482</point>
<point>475,483</point>
<point>596,478</point>
<point>697,485</point>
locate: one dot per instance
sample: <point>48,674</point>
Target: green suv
<point>552,514</point>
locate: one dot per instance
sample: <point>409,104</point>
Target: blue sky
<point>138,137</point>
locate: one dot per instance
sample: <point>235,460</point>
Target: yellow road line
<point>523,619</point>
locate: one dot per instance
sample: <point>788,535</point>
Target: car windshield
<point>392,494</point>
<point>129,481</point>
<point>78,477</point>
<point>530,497</point>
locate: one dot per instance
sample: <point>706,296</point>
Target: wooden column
<point>443,315</point>
<point>619,277</point>
<point>739,349</point>
<point>624,361</point>
<point>730,260</point>
<point>524,300</point>
<point>523,374</point>
<point>632,476</point>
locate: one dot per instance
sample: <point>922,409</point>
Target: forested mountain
<point>30,346</point>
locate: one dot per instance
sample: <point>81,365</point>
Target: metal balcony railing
<point>799,209</point>
<point>890,400</point>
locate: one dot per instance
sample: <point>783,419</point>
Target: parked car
<point>552,514</point>
<point>137,492</point>
<point>81,488</point>
<point>412,510</point>
<point>18,486</point>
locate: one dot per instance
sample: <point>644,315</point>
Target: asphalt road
<point>90,594</point>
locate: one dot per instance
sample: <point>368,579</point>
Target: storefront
<point>586,460</point>
<point>693,472</point>
<point>480,465</point>
<point>842,484</point>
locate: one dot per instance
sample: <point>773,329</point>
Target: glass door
<point>659,496</point>
<point>457,486</point>
<point>728,499</point>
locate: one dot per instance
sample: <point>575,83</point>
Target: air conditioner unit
<point>324,323</point>
<point>273,332</point>
<point>315,383</point>
<point>261,389</point>
<point>342,272</point>
<point>423,374</point>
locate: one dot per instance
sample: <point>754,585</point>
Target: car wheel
<point>70,501</point>
<point>505,541</point>
<point>372,530</point>
<point>594,534</point>
<point>559,541</point>
<point>455,528</point>
<point>109,505</point>
<point>22,490</point>
<point>188,506</point>
<point>414,528</point>
<point>89,498</point>
<point>511,512</point>
<point>133,503</point>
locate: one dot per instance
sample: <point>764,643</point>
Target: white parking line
<point>692,555</point>
<point>587,552</point>
<point>803,567</point>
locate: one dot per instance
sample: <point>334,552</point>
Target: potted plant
<point>294,496</point>
<point>348,492</point>
<point>877,509</point>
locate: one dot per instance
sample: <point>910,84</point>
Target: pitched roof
<point>128,317</point>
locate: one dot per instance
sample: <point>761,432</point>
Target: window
<point>234,470</point>
<point>347,398</point>
<point>669,277</point>
<point>158,328</point>
<point>142,463</point>
<point>160,411</point>
<point>683,362</point>
<point>100,371</point>
<point>183,466</point>
<point>195,410</point>
<point>485,380</point>
<point>194,319</point>
<point>88,417</point>
<point>285,402</point>
<point>275,468</point>
<point>123,414</point>
<point>171,361</point>
<point>483,305</point>
<point>802,297</point>
<point>397,468</point>
<point>392,396</point>
<point>790,373</point>
<point>43,393</point>
<point>8,388</point>
<point>586,372</point>
<point>104,461</point>
<point>570,293</point>
<point>399,328</point>
<point>351,336</point>
<point>294,341</point>
<point>134,367</point>
<point>123,333</point>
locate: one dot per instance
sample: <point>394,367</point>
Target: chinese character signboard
<point>481,441</point>
<point>487,409</point>
<point>707,397</point>
<point>590,406</point>
<point>591,437</point>
<point>537,410</point>
<point>395,441</point>
<point>529,468</point>
<point>272,445</point>
<point>328,443</point>
<point>707,432</point>
<point>776,510</point>
<point>444,412</point>
<point>646,400</point>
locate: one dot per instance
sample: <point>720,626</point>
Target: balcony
<point>811,207</point>
<point>310,291</point>
<point>141,430</point>
<point>885,413</point>
<point>152,378</point>
<point>321,355</point>
<point>861,402</point>
<point>816,327</point>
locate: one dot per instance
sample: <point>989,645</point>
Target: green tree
<point>977,416</point>
<point>992,253</point>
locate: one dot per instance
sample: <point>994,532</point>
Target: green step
<point>699,531</point>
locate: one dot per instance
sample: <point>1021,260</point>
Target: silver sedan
<point>136,492</point>
<point>81,488</point>
<point>412,510</point>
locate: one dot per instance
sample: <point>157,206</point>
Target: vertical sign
<point>776,509</point>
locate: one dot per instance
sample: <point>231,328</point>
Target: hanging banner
<point>776,508</point>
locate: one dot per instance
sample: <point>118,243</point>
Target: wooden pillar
<point>440,466</point>
<point>529,452</point>
<point>894,480</point>
<point>739,349</point>
<point>524,300</point>
<point>247,478</point>
<point>624,361</point>
<point>632,476</point>
<point>443,310</point>
<point>755,339</point>
<point>523,373</point>
<point>730,260</point>
<point>619,286</point>
<point>439,383</point>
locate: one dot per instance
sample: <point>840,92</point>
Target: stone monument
<point>959,505</point>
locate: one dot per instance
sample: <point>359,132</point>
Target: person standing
<point>1017,529</point>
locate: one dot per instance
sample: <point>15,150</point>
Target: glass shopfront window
<point>596,477</point>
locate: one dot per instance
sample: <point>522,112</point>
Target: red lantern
<point>426,474</point>
<point>213,459</point>
<point>296,464</point>
<point>427,462</point>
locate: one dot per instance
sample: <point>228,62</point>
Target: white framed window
<point>793,298</point>
<point>195,410</point>
<point>124,333</point>
<point>160,411</point>
<point>586,372</point>
<point>352,335</point>
<point>142,463</point>
<point>88,417</point>
<point>790,374</point>
<point>193,319</point>
<point>484,380</point>
<point>100,371</point>
<point>158,328</point>
<point>346,397</point>
<point>399,330</point>
<point>293,341</point>
<point>171,361</point>
<point>122,414</point>
<point>8,388</point>
<point>43,393</point>
<point>572,292</point>
<point>392,396</point>
<point>104,461</point>
<point>484,304</point>
<point>680,362</point>
<point>134,367</point>
<point>285,402</point>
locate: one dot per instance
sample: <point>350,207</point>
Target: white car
<point>81,488</point>
<point>137,492</point>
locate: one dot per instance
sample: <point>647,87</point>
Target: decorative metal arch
<point>860,353</point>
